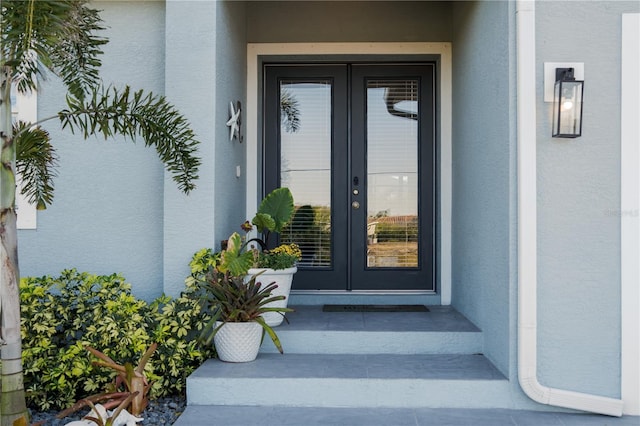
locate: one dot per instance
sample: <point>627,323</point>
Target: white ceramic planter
<point>283,278</point>
<point>238,341</point>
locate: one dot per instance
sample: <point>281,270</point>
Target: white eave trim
<point>527,231</point>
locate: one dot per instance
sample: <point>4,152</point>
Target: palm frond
<point>59,36</point>
<point>110,111</point>
<point>290,111</point>
<point>36,161</point>
<point>76,56</point>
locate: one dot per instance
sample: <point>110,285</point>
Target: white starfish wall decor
<point>234,122</point>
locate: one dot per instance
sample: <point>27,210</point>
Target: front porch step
<point>360,359</point>
<point>351,380</point>
<point>442,330</point>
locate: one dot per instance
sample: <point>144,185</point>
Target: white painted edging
<point>527,232</point>
<point>256,50</point>
<point>27,108</point>
<point>630,212</point>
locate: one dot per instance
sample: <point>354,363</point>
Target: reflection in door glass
<point>305,166</point>
<point>392,174</point>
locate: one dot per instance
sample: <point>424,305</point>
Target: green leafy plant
<point>274,214</point>
<point>237,257</point>
<point>230,299</point>
<point>175,325</point>
<point>61,315</point>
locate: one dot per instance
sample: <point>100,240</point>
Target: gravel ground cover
<point>163,411</point>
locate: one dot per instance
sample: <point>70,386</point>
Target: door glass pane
<point>305,166</point>
<point>392,173</point>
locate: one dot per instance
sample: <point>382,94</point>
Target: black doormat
<point>374,308</point>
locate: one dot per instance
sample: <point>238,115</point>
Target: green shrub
<point>394,232</point>
<point>60,316</point>
<point>176,326</point>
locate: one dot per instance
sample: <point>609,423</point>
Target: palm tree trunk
<point>12,396</point>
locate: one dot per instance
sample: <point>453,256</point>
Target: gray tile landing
<point>441,331</point>
<point>321,416</point>
<point>440,319</point>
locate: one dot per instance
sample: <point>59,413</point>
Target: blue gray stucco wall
<point>191,67</point>
<point>578,197</point>
<point>206,68</point>
<point>107,213</point>
<point>483,172</point>
<point>231,67</point>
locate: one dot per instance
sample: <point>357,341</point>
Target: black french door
<point>355,144</point>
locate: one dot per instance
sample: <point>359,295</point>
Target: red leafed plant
<point>130,386</point>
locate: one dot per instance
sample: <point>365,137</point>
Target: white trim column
<point>629,213</point>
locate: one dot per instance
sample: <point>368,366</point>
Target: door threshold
<point>363,297</point>
<point>356,292</point>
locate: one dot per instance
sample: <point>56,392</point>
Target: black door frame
<point>344,163</point>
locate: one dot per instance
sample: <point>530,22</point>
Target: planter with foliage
<point>231,300</point>
<point>253,257</point>
<point>238,341</point>
<point>277,266</point>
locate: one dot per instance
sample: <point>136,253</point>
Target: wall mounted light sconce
<point>567,104</point>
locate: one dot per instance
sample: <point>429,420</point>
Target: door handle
<point>355,205</point>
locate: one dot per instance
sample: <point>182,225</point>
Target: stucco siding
<point>231,64</point>
<point>107,212</point>
<point>482,171</point>
<point>578,203</point>
<point>189,221</point>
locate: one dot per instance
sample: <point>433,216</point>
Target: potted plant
<point>276,266</point>
<point>237,327</point>
<point>252,256</point>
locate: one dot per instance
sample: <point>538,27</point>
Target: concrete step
<point>351,380</point>
<point>321,416</point>
<point>442,330</point>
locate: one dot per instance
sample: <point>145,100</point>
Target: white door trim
<point>256,50</point>
<point>630,212</point>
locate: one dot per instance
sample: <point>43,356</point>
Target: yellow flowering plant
<point>282,257</point>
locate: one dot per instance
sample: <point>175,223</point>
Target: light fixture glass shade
<point>567,108</point>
